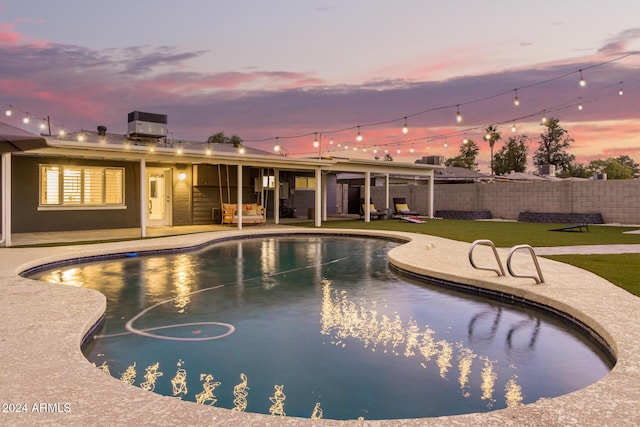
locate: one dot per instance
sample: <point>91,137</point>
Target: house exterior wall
<point>25,176</point>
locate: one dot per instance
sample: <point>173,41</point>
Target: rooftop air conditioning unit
<point>147,125</point>
<point>548,170</point>
<point>433,160</point>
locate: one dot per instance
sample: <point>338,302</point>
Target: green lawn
<point>622,270</point>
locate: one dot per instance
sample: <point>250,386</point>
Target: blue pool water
<point>321,326</point>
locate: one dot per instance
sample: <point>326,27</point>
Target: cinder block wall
<point>617,200</point>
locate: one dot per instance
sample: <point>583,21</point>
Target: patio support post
<point>367,196</point>
<point>239,210</point>
<point>144,202</point>
<point>276,196</point>
<point>386,191</point>
<point>431,190</point>
<point>6,199</point>
<point>324,198</point>
<point>318,204</point>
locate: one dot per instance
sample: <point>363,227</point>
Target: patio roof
<point>13,139</point>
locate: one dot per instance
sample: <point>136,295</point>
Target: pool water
<point>319,326</point>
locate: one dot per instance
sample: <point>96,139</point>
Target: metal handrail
<point>539,279</point>
<point>495,253</point>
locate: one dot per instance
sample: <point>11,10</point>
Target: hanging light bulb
<point>465,140</point>
<point>152,149</point>
<point>127,144</point>
<point>620,92</point>
<point>405,128</point>
<point>458,115</point>
<point>582,82</point>
<point>446,145</point>
<point>375,150</point>
<point>346,146</point>
<point>411,150</point>
<point>580,106</point>
<point>241,150</point>
<point>26,119</point>
<point>62,131</point>
<point>8,112</point>
<point>277,147</point>
<point>359,136</point>
<point>513,127</point>
<point>208,149</point>
<point>331,142</point>
<point>179,150</point>
<point>544,118</point>
<point>316,144</point>
<point>81,137</point>
<point>516,101</point>
<point>43,125</point>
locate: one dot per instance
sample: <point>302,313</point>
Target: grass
<point>621,269</point>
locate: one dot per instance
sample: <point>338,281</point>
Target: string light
<point>513,127</point>
<point>62,132</point>
<point>208,150</point>
<point>179,150</point>
<point>465,140</point>
<point>316,144</point>
<point>544,118</point>
<point>26,119</point>
<point>459,117</point>
<point>43,125</point>
<point>81,137</point>
<point>277,147</point>
<point>241,149</point>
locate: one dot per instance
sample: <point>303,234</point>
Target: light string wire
<point>47,123</point>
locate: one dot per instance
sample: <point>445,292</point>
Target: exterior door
<point>159,197</point>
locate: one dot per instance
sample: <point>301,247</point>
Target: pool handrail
<point>539,279</point>
<point>485,242</point>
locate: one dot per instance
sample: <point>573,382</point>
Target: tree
<point>612,167</point>
<point>628,161</point>
<point>221,138</point>
<point>467,158</point>
<point>492,135</point>
<point>553,145</point>
<point>512,156</point>
<point>577,170</point>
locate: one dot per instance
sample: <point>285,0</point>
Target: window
<point>305,183</point>
<point>81,186</point>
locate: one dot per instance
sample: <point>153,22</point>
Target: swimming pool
<point>322,320</point>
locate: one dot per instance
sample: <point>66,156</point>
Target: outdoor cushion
<point>402,208</point>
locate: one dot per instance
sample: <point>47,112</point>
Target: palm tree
<point>492,135</point>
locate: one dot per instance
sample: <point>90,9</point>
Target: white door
<point>159,197</point>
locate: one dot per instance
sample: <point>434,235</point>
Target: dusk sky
<point>266,69</point>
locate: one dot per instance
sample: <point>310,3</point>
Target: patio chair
<point>373,212</point>
<point>401,209</point>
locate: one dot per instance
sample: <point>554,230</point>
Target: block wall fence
<point>617,200</point>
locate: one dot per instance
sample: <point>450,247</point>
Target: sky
<point>300,70</point>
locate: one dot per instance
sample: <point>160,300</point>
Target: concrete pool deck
<point>42,326</point>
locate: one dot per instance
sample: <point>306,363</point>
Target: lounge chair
<point>401,209</point>
<point>373,212</point>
